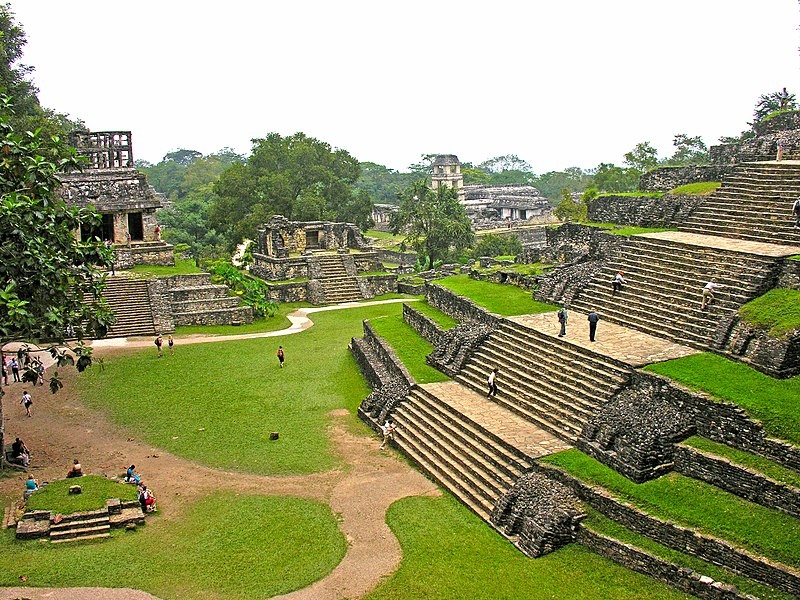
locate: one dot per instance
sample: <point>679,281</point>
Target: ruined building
<point>127,203</point>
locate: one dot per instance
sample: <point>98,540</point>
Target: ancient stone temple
<point>111,184</point>
<point>324,260</point>
<point>447,173</point>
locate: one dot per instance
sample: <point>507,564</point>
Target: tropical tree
<point>642,158</point>
<point>434,221</point>
<point>688,151</point>
<point>569,209</point>
<point>773,102</point>
<point>296,176</point>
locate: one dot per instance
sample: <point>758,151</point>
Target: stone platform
<point>624,344</point>
<point>722,243</point>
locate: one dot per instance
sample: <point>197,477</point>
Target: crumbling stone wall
<point>682,578</point>
<point>276,269</point>
<point>377,285</point>
<point>456,345</point>
<point>563,284</point>
<point>790,275</point>
<point>636,431</point>
<point>664,179</point>
<point>737,479</point>
<point>541,511</point>
<point>422,324</point>
<point>775,356</point>
<point>643,211</point>
<point>526,282</point>
<point>573,242</point>
<point>460,308</point>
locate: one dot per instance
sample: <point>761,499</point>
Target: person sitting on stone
<point>76,470</point>
<point>131,476</point>
<point>146,499</point>
<point>20,452</point>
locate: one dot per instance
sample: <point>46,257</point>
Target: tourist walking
<point>708,294</point>
<point>159,342</point>
<point>6,368</point>
<point>593,319</point>
<point>562,318</point>
<point>27,401</point>
<point>281,356</point>
<point>387,429</point>
<point>796,213</point>
<point>171,344</point>
<point>616,285</point>
<point>15,370</point>
<point>492,381</point>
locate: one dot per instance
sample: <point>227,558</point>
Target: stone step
<point>80,523</point>
<point>79,532</point>
<point>742,235</point>
<point>656,247</point>
<point>80,538</point>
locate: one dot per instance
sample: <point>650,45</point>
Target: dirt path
<point>65,429</point>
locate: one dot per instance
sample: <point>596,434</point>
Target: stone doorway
<point>135,227</point>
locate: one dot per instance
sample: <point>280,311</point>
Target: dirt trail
<point>62,429</point>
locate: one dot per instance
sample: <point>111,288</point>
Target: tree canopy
<point>296,176</point>
<point>773,102</point>
<point>434,221</point>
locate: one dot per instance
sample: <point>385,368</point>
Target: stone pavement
<point>621,343</point>
<point>723,243</point>
<point>503,423</point>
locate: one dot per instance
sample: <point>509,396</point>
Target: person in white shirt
<point>708,294</point>
<point>492,381</point>
<point>616,285</point>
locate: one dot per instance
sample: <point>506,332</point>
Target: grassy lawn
<point>410,347</point>
<point>443,320</point>
<point>695,504</point>
<point>275,323</point>
<point>504,300</point>
<point>96,490</point>
<point>777,311</point>
<point>228,546</point>
<point>230,395</point>
<point>759,463</point>
<point>600,524</point>
<point>448,552</point>
<point>633,194</point>
<point>183,266</point>
<point>522,268</point>
<point>775,403</point>
<point>702,188</point>
<point>617,229</point>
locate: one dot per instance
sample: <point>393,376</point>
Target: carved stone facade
<point>121,195</point>
<point>280,237</point>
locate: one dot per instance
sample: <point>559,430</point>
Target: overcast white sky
<point>560,82</point>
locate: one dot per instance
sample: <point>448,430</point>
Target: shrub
<point>492,244</point>
<point>253,292</point>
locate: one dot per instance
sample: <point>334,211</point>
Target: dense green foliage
<point>570,209</point>
<point>774,102</point>
<point>45,272</point>
<point>504,300</point>
<point>232,394</point>
<point>299,177</point>
<point>384,185</point>
<point>95,490</point>
<point>448,552</point>
<point>410,347</point>
<point>777,311</point>
<point>693,503</point>
<point>226,546</point>
<point>434,221</point>
<point>775,403</point>
<point>253,292</point>
<point>491,244</point>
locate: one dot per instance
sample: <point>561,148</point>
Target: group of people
<point>143,494</point>
<point>13,365</point>
<point>563,317</point>
<point>159,342</point>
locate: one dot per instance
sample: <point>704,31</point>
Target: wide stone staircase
<point>130,303</point>
<point>665,278</point>
<point>554,384</point>
<point>337,284</point>
<point>476,465</point>
<point>754,203</point>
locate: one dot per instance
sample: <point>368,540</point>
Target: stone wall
<point>422,324</point>
<point>573,242</point>
<point>682,578</point>
<point>161,305</point>
<point>288,292</point>
<point>664,179</point>
<point>526,282</point>
<point>670,534</point>
<point>563,284</point>
<point>143,254</point>
<point>760,148</point>
<point>377,285</point>
<point>415,289</point>
<point>779,123</point>
<point>276,269</point>
<point>456,345</point>
<point>643,211</point>
<point>391,363</point>
<point>540,511</point>
<point>790,275</point>
<point>398,258</point>
<point>109,190</point>
<point>737,479</point>
<point>775,356</point>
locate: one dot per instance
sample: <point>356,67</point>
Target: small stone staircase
<point>81,526</point>
<point>663,294</point>
<point>555,385</point>
<point>337,284</point>
<point>754,203</point>
<point>476,465</point>
<point>129,301</point>
<point>197,301</point>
